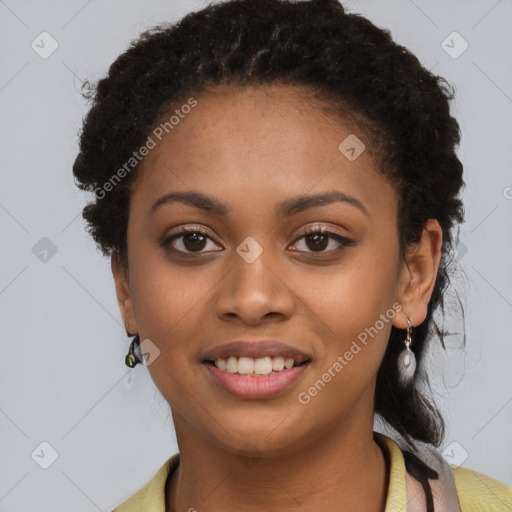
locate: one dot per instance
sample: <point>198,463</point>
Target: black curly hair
<point>342,59</point>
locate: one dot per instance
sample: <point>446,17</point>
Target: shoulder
<point>477,492</point>
<point>151,497</point>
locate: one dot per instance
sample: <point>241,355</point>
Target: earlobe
<point>123,293</point>
<point>418,275</point>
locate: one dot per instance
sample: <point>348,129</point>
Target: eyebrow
<point>285,209</point>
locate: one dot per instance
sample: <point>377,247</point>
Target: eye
<point>319,238</point>
<point>194,240</point>
<point>188,240</point>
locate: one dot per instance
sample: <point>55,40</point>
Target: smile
<point>255,367</point>
<point>258,381</point>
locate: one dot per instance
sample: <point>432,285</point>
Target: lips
<point>255,349</point>
<point>261,384</point>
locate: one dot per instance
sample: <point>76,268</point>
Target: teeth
<point>232,364</point>
<point>262,366</point>
<point>278,363</point>
<point>254,367</point>
<point>288,363</point>
<point>245,364</point>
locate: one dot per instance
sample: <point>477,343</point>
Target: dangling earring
<point>131,360</point>
<point>406,360</point>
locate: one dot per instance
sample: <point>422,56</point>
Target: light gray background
<point>63,378</point>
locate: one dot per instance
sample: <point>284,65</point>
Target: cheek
<point>353,307</point>
<point>352,296</point>
<point>170,307</point>
<point>352,348</point>
<point>166,296</point>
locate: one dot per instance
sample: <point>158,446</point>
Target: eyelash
<point>183,231</point>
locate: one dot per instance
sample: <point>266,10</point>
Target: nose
<point>255,292</point>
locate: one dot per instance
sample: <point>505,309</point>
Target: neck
<point>343,470</point>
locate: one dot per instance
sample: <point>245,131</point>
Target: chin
<point>260,439</point>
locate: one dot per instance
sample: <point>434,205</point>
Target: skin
<point>252,148</point>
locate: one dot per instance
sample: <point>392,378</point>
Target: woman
<point>276,183</point>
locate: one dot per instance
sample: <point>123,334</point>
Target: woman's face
<point>254,275</point>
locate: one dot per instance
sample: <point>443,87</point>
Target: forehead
<point>260,143</point>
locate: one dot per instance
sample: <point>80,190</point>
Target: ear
<point>418,275</point>
<point>124,297</point>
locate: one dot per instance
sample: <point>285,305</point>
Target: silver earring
<point>406,360</point>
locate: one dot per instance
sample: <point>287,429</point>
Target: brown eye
<point>317,240</point>
<point>188,241</point>
<point>194,241</point>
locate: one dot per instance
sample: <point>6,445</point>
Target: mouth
<point>255,369</point>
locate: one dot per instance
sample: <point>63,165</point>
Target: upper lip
<point>255,349</point>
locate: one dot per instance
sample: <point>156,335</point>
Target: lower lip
<point>256,387</point>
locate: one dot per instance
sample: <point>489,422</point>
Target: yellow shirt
<point>476,492</point>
